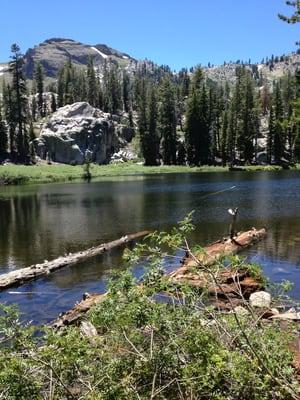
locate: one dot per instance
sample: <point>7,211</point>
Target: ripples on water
<point>45,221</point>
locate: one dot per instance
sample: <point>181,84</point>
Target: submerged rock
<point>79,129</point>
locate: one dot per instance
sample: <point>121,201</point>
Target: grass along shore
<point>44,173</point>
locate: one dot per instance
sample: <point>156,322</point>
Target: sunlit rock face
<point>79,130</point>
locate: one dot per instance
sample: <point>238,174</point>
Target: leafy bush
<point>155,340</point>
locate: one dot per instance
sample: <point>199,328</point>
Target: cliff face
<point>79,130</point>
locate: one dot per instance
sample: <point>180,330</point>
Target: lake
<point>40,222</point>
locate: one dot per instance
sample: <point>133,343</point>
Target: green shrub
<point>155,341</point>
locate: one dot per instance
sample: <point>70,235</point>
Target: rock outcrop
<point>77,131</point>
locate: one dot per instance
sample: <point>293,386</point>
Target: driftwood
<point>226,282</point>
<point>209,255</point>
<point>18,277</point>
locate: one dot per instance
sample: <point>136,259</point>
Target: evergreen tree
<point>39,83</point>
<point>270,136</point>
<point>69,83</point>
<point>153,140</point>
<point>279,139</point>
<point>33,108</point>
<point>3,138</point>
<point>192,126</point>
<point>31,132</point>
<point>114,91</point>
<point>197,129</point>
<point>53,103</point>
<point>9,113</point>
<point>92,95</point>
<point>248,122</point>
<point>224,138</point>
<point>167,122</point>
<point>126,92</point>
<point>142,118</point>
<point>148,125</point>
<point>231,135</point>
<point>60,88</point>
<point>295,17</point>
<point>19,96</point>
<point>204,155</point>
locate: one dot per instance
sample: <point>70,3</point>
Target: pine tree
<point>126,92</point>
<point>296,119</point>
<point>39,82</point>
<point>153,140</point>
<point>3,138</point>
<point>295,17</point>
<point>33,108</point>
<point>231,135</point>
<point>92,95</point>
<point>31,132</point>
<point>9,113</point>
<point>142,118</point>
<point>148,124</point>
<point>248,122</point>
<point>271,135</point>
<point>53,103</point>
<point>204,155</point>
<point>167,122</point>
<point>192,126</point>
<point>197,135</point>
<point>224,138</point>
<point>19,102</point>
<point>69,83</point>
<point>114,91</point>
<point>60,88</point>
<point>279,139</point>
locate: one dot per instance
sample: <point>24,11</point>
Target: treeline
<point>180,118</point>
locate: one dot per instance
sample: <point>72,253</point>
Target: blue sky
<point>180,33</point>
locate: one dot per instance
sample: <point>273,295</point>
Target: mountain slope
<point>54,53</point>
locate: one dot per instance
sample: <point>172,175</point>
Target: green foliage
<point>39,83</point>
<point>168,122</point>
<point>198,119</point>
<point>150,346</point>
<point>87,167</point>
<point>295,17</point>
<point>16,106</point>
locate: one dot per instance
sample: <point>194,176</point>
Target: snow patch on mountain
<point>99,52</point>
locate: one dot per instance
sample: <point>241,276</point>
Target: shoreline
<point>61,173</point>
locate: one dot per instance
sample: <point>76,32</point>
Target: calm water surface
<point>45,221</point>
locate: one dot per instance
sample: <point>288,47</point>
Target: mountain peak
<point>53,53</point>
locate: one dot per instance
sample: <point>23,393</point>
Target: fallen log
<point>18,277</point>
<point>230,281</point>
<point>208,256</point>
<point>222,248</point>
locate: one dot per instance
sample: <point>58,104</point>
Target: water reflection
<point>43,222</point>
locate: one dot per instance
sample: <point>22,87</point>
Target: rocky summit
<point>54,53</point>
<point>78,131</point>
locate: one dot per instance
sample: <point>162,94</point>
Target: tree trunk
<point>18,277</point>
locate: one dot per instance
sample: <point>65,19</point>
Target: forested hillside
<point>235,114</point>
